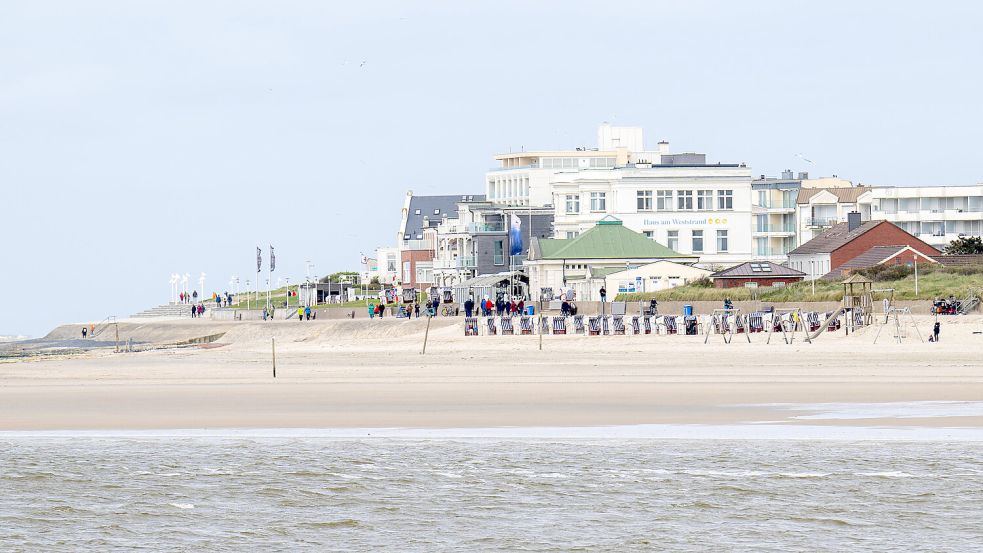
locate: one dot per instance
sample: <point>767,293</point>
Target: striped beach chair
<point>605,326</point>
<point>669,323</point>
<point>507,329</point>
<point>578,324</point>
<point>618,324</point>
<point>491,326</point>
<point>740,325</point>
<point>635,329</point>
<point>594,326</point>
<point>471,326</point>
<point>647,324</point>
<point>525,325</point>
<point>544,325</point>
<point>559,325</point>
<point>755,322</point>
<point>813,319</point>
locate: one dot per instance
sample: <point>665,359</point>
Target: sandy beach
<point>371,374</point>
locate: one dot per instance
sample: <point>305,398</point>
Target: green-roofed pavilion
<point>608,239</point>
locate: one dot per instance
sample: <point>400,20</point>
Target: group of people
<point>500,307</point>
<point>197,310</point>
<point>946,306</point>
<point>189,298</point>
<point>306,313</point>
<point>88,331</point>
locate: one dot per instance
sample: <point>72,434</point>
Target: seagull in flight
<point>362,64</point>
<point>804,158</point>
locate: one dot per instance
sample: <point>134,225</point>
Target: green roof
<point>609,239</point>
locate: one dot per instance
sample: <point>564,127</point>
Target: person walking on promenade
<point>194,311</point>
<point>307,312</point>
<point>382,310</point>
<point>604,294</point>
<point>300,313</point>
<point>371,309</point>
<point>468,307</point>
<point>416,309</point>
<point>84,332</point>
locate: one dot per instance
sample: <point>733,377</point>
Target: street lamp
<point>201,287</point>
<point>812,275</point>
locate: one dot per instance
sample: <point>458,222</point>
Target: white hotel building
<point>935,214</point>
<point>678,200</point>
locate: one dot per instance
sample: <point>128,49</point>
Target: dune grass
<point>933,282</point>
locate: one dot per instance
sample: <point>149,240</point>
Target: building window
<point>672,240</point>
<point>648,234</point>
<point>417,211</point>
<point>645,200</point>
<point>725,199</point>
<point>407,274</point>
<point>499,252</point>
<point>684,200</point>
<point>571,234</point>
<point>697,241</point>
<point>704,200</point>
<point>722,241</point>
<point>602,162</point>
<point>598,201</point>
<point>762,198</point>
<point>663,200</point>
<point>573,203</point>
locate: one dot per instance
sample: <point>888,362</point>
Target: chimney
<point>787,174</point>
<point>663,147</point>
<point>853,220</point>
<point>803,175</point>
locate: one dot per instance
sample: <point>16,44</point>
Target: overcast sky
<point>138,139</point>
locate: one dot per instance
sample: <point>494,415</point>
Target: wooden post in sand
<point>273,340</point>
<point>425,335</point>
<point>540,332</point>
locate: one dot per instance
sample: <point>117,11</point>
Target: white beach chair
<point>559,325</point>
<point>578,324</point>
<point>635,329</point>
<point>647,324</point>
<point>605,326</point>
<point>669,323</point>
<point>507,329</point>
<point>471,326</point>
<point>594,326</point>
<point>525,325</point>
<point>618,322</point>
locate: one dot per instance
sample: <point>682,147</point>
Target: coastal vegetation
<point>933,282</point>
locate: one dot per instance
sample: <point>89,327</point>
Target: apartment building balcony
<point>417,245</point>
<point>820,222</point>
<point>774,208</point>
<point>455,263</point>
<point>478,228</point>
<point>774,230</point>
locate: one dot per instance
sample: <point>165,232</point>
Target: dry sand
<point>371,374</point>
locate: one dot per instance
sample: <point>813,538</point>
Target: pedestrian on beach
<point>371,308</point>
<point>416,309</point>
<point>565,308</point>
<point>468,307</point>
<point>382,310</point>
<point>194,311</point>
<point>84,332</point>
<point>307,312</point>
<point>265,313</point>
<point>604,294</point>
<point>300,313</point>
<point>935,330</point>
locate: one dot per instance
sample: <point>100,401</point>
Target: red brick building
<point>846,241</point>
<point>756,273</point>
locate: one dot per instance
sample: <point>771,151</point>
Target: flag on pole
<point>259,259</point>
<point>515,236</point>
<point>272,259</point>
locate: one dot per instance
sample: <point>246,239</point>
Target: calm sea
<point>382,494</point>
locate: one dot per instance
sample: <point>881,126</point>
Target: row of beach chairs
<point>660,324</point>
<point>578,324</point>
